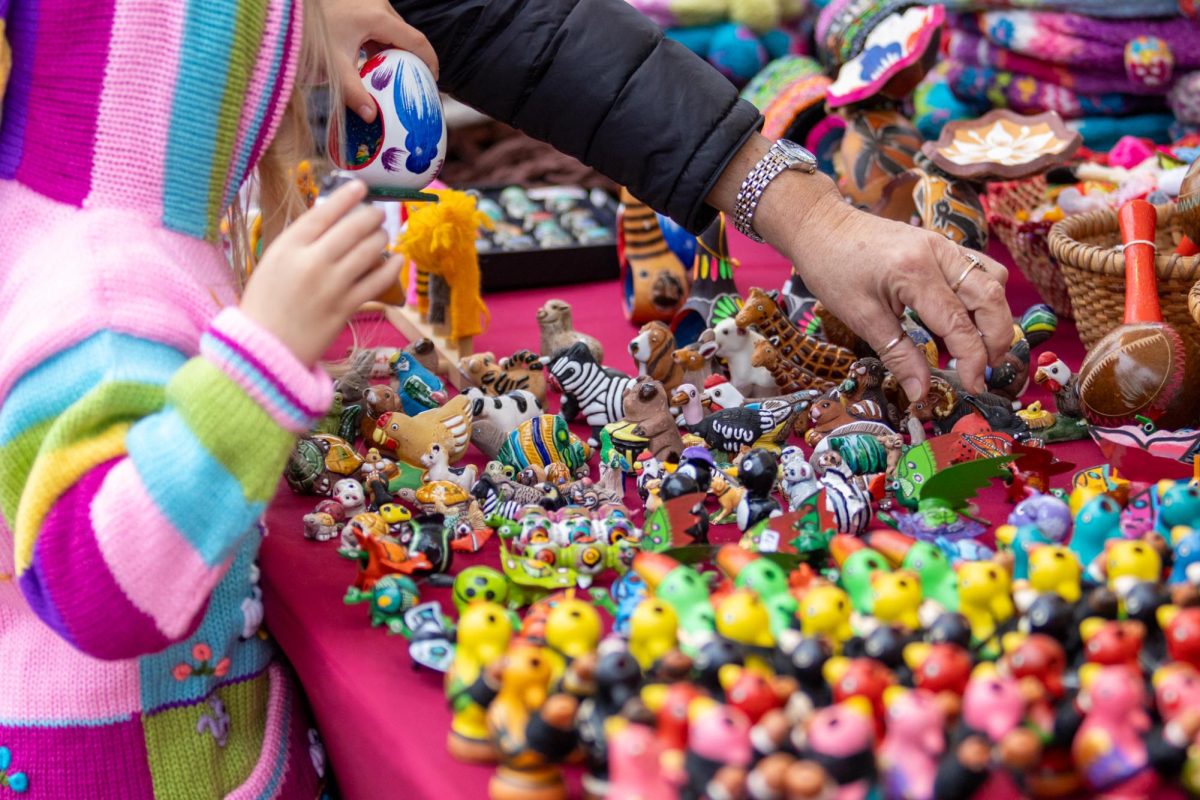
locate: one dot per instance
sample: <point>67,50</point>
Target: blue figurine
<point>419,389</point>
<point>1051,515</point>
<point>1179,505</point>
<point>1185,568</point>
<point>627,591</point>
<point>1021,540</point>
<point>1098,521</point>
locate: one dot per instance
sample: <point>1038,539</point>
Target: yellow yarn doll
<point>440,240</point>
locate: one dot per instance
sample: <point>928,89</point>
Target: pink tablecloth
<point>385,724</point>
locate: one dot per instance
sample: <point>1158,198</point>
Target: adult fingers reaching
<point>979,283</point>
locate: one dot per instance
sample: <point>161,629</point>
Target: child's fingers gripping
<point>348,232</point>
<point>375,282</point>
<point>354,94</point>
<point>313,224</point>
<point>361,259</point>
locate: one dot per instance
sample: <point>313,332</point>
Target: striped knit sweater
<point>144,420</point>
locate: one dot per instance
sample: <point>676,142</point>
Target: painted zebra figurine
<point>492,503</point>
<point>593,390</point>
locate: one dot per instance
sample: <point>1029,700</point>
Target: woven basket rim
<point>1072,253</point>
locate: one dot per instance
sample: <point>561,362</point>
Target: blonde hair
<point>280,199</point>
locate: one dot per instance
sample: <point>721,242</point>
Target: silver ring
<point>975,263</point>
<point>887,348</point>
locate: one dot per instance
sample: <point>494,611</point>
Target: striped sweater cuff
<point>295,396</point>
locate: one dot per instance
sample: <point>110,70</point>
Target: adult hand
<point>319,270</point>
<point>866,269</point>
<point>374,25</point>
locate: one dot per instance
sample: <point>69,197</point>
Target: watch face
<point>794,152</point>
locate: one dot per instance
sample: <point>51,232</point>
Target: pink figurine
<point>913,745</point>
<point>635,765</point>
<point>1108,749</point>
<point>1176,689</point>
<point>841,738</point>
<point>993,705</point>
<point>718,736</point>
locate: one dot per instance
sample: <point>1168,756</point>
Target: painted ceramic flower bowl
<point>897,54</point>
<point>1143,453</point>
<point>402,151</point>
<point>1003,145</point>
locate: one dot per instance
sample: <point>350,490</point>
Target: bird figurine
<point>733,428</point>
<point>411,437</point>
<point>1055,377</point>
<point>757,474</point>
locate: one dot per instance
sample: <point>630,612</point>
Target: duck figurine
<point>573,630</point>
<point>1054,569</point>
<point>939,582</point>
<point>484,631</point>
<point>896,599</point>
<point>531,729</point>
<point>742,619</point>
<point>856,563</point>
<point>615,678</point>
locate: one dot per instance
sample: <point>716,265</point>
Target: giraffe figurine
<point>788,376</point>
<point>822,359</point>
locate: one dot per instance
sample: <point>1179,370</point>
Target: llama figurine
<point>437,468</point>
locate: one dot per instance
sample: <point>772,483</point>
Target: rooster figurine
<point>1055,376</point>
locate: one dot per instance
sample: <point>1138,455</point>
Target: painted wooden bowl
<point>1003,145</point>
<point>897,54</point>
<point>404,148</point>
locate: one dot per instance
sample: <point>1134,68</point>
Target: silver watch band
<point>752,188</point>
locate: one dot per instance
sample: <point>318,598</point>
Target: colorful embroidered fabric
<point>1029,95</point>
<point>1140,9</point>
<point>143,428</point>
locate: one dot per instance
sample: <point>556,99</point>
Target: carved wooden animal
<point>653,351</point>
<point>523,370</point>
<point>736,346</point>
<point>558,330</point>
<point>830,412</point>
<point>820,358</point>
<point>788,377</point>
<point>838,332</point>
<point>646,403</point>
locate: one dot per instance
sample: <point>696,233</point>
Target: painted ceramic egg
<point>877,146</point>
<point>403,149</point>
<point>1149,61</point>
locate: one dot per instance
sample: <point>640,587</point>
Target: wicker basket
<point>1026,241</point>
<point>1088,249</point>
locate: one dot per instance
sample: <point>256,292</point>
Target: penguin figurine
<point>757,472</point>
<point>698,463</point>
<point>678,484</point>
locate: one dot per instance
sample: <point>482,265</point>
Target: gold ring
<point>887,348</point>
<point>974,263</point>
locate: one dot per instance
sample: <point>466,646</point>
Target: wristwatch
<point>783,155</point>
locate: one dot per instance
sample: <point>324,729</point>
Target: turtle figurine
<point>530,579</point>
<point>318,462</point>
<point>390,598</point>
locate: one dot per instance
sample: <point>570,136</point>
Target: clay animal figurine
<point>588,388</point>
<point>653,351</point>
<point>686,398</point>
<point>1139,368</point>
<point>324,522</point>
<point>542,442</point>
<point>636,755</point>
<point>494,417</point>
<point>318,462</point>
<point>616,678</point>
<point>523,370</point>
<point>654,279</point>
<point>822,359</point>
<point>718,740</point>
<point>787,376</point>
<point>685,590</point>
<point>732,429</point>
<point>841,739</point>
<point>410,437</point>
<point>354,382</point>
<point>376,474</point>
<point>437,468</point>
<point>531,729</point>
<point>757,474</point>
<point>729,497</point>
<point>799,480</point>
<point>425,352</point>
<point>558,331</point>
<point>698,359</point>
<point>484,631</point>
<point>985,599</point>
<point>1110,749</point>
<point>736,346</point>
<point>713,294</point>
<point>418,388</point>
<point>915,741</point>
<point>646,403</point>
<point>1055,376</point>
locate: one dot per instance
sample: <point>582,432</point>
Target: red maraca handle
<point>1139,221</point>
<point>1186,248</point>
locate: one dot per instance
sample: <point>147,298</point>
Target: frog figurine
<point>742,618</point>
<point>484,631</point>
<point>653,632</point>
<point>896,599</point>
<point>1185,565</point>
<point>573,629</point>
<point>763,576</point>
<point>939,582</point>
<point>985,599</point>
<point>685,590</point>
<point>914,743</point>
<point>825,612</point>
<point>1098,520</point>
<point>1055,569</point>
<point>532,730</point>
<point>856,562</point>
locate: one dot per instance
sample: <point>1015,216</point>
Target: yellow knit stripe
<point>54,472</point>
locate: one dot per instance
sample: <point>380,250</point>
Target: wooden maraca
<point>1187,211</point>
<point>1141,368</point>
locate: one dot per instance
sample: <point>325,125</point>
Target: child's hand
<point>319,271</point>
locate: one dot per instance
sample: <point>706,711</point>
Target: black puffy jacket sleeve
<point>599,82</point>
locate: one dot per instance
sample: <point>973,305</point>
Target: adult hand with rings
<point>867,269</point>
